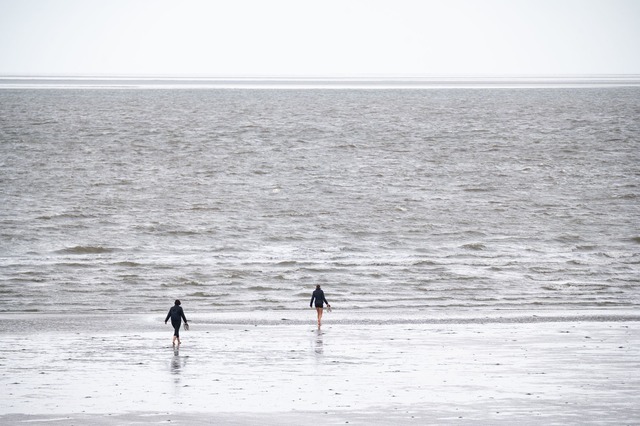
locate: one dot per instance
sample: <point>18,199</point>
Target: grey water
<point>239,200</point>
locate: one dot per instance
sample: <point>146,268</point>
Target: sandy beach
<point>364,368</point>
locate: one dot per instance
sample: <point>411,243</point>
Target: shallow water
<point>235,200</point>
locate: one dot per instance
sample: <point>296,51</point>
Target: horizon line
<point>321,82</point>
<point>337,78</point>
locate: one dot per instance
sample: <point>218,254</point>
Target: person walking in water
<point>320,300</point>
<point>177,315</point>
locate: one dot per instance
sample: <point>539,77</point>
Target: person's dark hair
<point>318,287</point>
<point>177,302</point>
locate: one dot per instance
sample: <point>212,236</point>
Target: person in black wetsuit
<point>177,315</point>
<point>320,300</point>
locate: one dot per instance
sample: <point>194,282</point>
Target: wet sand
<point>279,368</point>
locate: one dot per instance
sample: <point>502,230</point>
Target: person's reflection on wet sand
<point>319,348</point>
<point>177,363</point>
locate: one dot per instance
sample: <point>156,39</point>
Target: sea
<point>446,196</point>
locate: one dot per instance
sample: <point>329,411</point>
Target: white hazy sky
<point>343,38</point>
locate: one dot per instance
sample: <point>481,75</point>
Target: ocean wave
<point>474,246</point>
<point>259,288</point>
<point>191,283</point>
<point>199,294</point>
<point>73,216</point>
<point>569,238</point>
<point>287,263</point>
<point>76,265</point>
<point>586,247</point>
<point>426,263</point>
<point>479,189</point>
<point>128,264</point>
<point>627,196</point>
<point>87,250</point>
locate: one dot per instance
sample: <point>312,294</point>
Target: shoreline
<point>306,316</point>
<point>122,370</point>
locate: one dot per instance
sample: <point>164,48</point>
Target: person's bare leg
<point>319,316</point>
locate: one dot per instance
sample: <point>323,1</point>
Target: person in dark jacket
<point>177,315</point>
<point>320,300</point>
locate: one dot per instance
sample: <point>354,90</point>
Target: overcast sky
<point>343,38</point>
